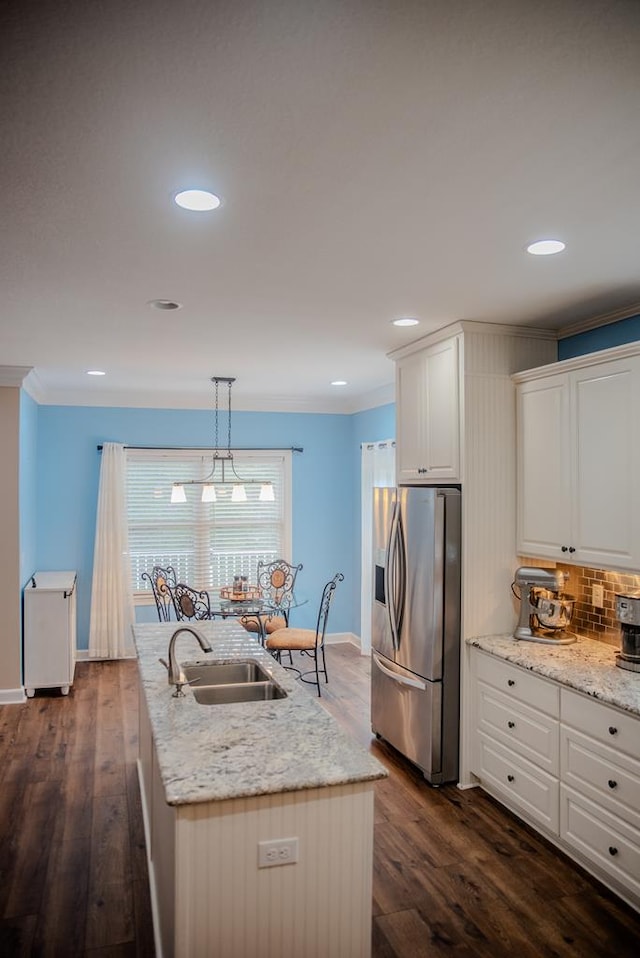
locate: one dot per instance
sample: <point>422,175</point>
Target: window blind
<point>207,543</point>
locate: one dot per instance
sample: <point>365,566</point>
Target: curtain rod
<point>208,448</point>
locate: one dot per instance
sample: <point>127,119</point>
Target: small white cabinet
<point>49,631</point>
<point>578,462</point>
<point>428,418</point>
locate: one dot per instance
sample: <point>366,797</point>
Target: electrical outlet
<point>597,595</point>
<point>279,851</point>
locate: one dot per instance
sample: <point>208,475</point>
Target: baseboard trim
<point>12,696</point>
<point>337,637</point>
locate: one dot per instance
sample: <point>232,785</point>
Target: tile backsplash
<point>597,622</point>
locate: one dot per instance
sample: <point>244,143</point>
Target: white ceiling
<point>375,158</point>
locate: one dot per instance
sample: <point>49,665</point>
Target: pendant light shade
<point>223,473</point>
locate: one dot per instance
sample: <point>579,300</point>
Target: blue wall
<point>326,490</point>
<point>615,334</point>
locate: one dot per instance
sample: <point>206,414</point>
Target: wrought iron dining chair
<point>308,642</point>
<point>163,582</point>
<point>275,580</point>
<point>191,604</point>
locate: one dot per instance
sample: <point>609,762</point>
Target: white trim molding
<point>606,319</point>
<point>13,375</point>
<point>12,696</point>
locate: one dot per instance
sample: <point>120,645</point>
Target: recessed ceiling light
<point>339,382</point>
<point>198,200</point>
<point>405,321</point>
<point>95,372</point>
<point>545,247</point>
<point>164,304</point>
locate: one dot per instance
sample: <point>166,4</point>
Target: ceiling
<point>375,159</point>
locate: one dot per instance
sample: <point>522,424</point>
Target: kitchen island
<point>218,781</point>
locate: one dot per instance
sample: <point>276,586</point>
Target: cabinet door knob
<point>511,681</point>
<point>510,778</point>
<point>613,730</point>
<point>613,850</point>
<point>571,549</point>
<point>511,724</point>
<point>612,783</point>
<point>564,548</point>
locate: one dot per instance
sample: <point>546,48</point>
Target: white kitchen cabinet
<point>577,461</point>
<point>516,749</point>
<point>49,631</point>
<point>600,792</point>
<point>428,418</point>
<point>566,763</point>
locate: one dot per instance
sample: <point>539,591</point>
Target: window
<point>207,543</point>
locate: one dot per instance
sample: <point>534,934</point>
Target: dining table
<point>252,606</point>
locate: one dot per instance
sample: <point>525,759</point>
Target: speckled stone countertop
<point>587,666</point>
<point>216,752</point>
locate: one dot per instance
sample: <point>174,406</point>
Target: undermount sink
<point>247,692</point>
<point>225,673</point>
<point>223,683</point>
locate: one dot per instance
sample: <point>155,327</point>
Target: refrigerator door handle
<point>397,676</point>
<point>394,575</point>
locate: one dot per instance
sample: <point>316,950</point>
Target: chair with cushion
<point>163,582</point>
<point>308,642</point>
<point>276,581</point>
<point>191,604</point>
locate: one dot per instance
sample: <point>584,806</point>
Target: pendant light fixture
<point>223,471</point>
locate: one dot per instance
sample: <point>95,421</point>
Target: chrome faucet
<point>175,672</point>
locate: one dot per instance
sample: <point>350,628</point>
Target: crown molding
<point>605,319</point>
<point>342,405</point>
<point>578,362</point>
<point>469,327</point>
<point>14,375</point>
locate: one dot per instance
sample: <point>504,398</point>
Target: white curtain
<point>378,469</point>
<point>112,612</point>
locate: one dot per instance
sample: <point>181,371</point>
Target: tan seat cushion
<point>252,623</point>
<point>292,639</point>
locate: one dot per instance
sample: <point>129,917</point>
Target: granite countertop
<point>587,666</point>
<point>217,752</point>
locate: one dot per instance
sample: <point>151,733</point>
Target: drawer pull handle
<point>511,724</point>
<point>613,783</point>
<point>613,730</point>
<point>513,682</point>
<point>613,850</point>
<point>564,548</point>
<point>571,549</point>
<point>510,778</point>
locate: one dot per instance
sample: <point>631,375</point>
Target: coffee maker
<point>628,615</point>
<point>545,610</point>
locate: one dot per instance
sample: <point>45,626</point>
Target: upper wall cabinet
<point>578,459</point>
<point>427,414</point>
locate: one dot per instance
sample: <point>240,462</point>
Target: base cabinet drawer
<point>607,724</point>
<point>606,841</point>
<point>525,730</point>
<point>519,683</point>
<point>524,785</point>
<point>609,778</point>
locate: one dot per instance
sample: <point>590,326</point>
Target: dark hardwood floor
<point>454,874</point>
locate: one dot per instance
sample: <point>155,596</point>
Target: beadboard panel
<point>318,907</point>
<point>489,504</point>
<point>488,353</point>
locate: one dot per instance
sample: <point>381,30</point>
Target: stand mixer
<point>545,610</point>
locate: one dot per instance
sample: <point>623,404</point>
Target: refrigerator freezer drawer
<point>406,711</point>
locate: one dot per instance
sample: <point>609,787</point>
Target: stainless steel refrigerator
<point>415,669</point>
